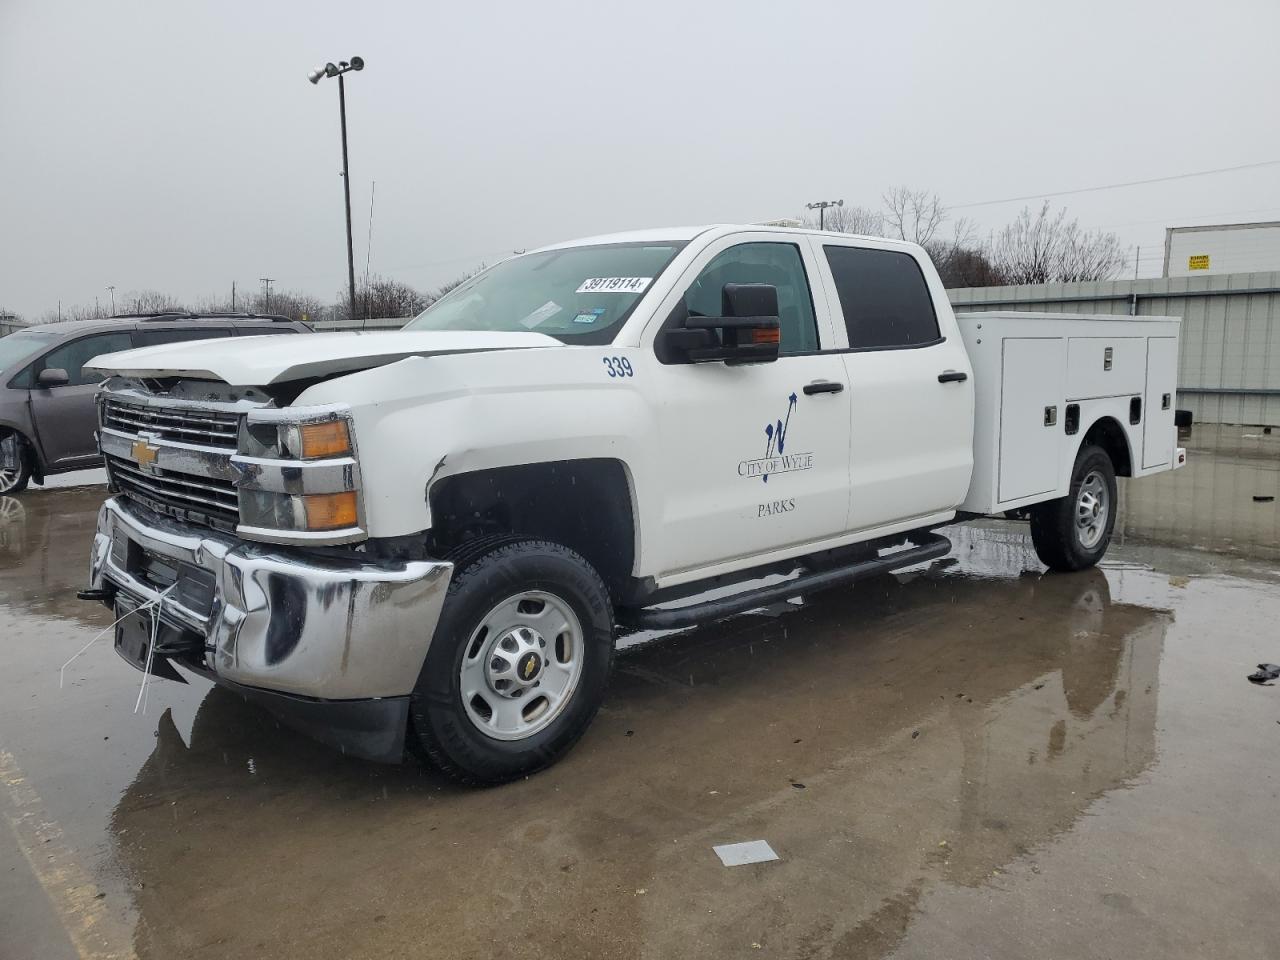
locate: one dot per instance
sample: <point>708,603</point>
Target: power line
<point>1116,186</point>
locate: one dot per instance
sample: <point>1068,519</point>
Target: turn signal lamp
<point>330,511</point>
<point>326,438</point>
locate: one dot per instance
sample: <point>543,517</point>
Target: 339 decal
<point>618,366</point>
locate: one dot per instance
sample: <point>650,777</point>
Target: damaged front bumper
<point>332,646</point>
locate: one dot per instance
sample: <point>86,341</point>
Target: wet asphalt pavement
<point>972,759</point>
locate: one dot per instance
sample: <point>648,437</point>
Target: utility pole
<point>233,296</point>
<point>821,207</point>
<point>266,292</point>
<point>97,310</point>
<point>1136,257</point>
<point>368,244</point>
<point>113,300</point>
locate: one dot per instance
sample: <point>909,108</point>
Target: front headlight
<point>281,440</point>
<point>305,513</point>
<point>300,479</point>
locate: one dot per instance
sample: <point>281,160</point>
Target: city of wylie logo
<point>776,459</point>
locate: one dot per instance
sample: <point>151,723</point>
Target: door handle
<point>952,376</point>
<point>822,386</point>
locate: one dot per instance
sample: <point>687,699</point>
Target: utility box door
<point>1032,387</point>
<point>1106,367</point>
<point>1158,404</point>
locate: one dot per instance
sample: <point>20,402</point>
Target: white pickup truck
<point>427,540</point>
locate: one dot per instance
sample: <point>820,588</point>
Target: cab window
<point>779,264</point>
<point>72,357</point>
<point>884,298</point>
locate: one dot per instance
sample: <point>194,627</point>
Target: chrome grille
<point>206,428</point>
<point>206,499</point>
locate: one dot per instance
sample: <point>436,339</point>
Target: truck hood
<point>261,361</point>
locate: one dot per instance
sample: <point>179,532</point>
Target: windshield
<point>578,294</point>
<point>17,347</point>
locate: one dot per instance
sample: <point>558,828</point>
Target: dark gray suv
<point>47,413</point>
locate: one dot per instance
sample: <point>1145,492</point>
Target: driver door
<point>755,456</point>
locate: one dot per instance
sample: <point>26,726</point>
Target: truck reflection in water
<point>924,729</point>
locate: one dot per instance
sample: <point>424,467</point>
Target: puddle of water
<point>990,756</point>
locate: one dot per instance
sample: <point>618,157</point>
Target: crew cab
<point>428,540</point>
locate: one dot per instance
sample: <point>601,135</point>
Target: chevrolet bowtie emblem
<point>144,453</point>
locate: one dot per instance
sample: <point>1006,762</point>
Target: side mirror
<point>52,377</point>
<point>748,332</point>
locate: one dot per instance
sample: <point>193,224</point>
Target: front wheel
<point>518,664</point>
<point>1073,532</point>
<point>15,463</point>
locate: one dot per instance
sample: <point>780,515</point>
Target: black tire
<point>1061,543</point>
<point>442,727</point>
<point>15,463</point>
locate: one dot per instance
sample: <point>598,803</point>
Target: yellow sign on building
<point>1198,262</point>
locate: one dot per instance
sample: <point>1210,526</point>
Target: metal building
<point>1222,248</point>
<point>1229,348</point>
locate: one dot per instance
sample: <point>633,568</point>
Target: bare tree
<point>1048,248</point>
<point>968,267</point>
<point>850,219</point>
<point>289,303</point>
<point>382,297</point>
<point>452,285</point>
<point>150,301</point>
<point>915,215</point>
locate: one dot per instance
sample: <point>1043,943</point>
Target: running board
<point>655,618</point>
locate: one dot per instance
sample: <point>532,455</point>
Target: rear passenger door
<point>909,382</point>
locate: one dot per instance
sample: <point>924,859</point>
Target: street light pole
<point>821,207</point>
<point>346,189</point>
<point>331,70</point>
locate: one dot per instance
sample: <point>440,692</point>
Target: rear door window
<point>884,298</point>
<point>264,331</point>
<point>153,338</point>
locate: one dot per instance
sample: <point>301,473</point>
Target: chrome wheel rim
<point>1093,506</point>
<point>10,463</point>
<point>522,665</point>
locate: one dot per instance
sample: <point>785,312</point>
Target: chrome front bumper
<point>273,619</point>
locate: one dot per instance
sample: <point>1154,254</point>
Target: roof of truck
<point>685,234</point>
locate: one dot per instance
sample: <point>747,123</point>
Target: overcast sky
<point>177,146</point>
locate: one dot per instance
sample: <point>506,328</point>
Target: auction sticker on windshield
<point>614,285</point>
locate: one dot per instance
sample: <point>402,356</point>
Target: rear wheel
<point>1073,532</point>
<point>518,664</point>
<point>15,463</point>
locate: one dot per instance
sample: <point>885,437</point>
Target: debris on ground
<point>751,851</point>
<point>1265,673</point>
